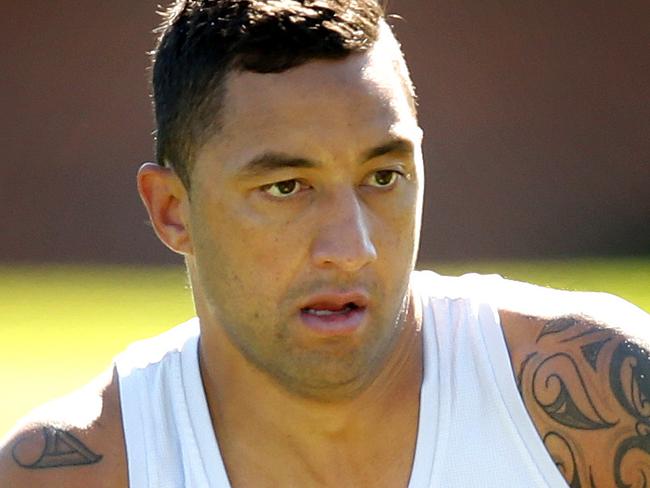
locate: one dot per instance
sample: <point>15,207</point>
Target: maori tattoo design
<point>630,381</point>
<point>59,448</point>
<point>588,391</point>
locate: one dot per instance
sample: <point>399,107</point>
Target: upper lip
<point>336,300</point>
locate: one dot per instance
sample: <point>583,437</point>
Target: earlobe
<point>166,200</point>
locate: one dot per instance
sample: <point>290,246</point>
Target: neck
<point>253,416</point>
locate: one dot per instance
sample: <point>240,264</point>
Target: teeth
<point>322,312</point>
<point>325,312</point>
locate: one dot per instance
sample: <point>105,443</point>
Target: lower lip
<point>334,324</point>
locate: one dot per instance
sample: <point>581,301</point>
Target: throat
<point>378,455</point>
<point>366,440</point>
<point>363,442</point>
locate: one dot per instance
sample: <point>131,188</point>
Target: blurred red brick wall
<point>536,117</point>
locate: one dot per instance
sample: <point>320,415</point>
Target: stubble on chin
<point>335,370</point>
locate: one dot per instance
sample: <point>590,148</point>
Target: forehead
<point>327,106</point>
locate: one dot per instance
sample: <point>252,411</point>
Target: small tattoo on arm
<point>59,448</point>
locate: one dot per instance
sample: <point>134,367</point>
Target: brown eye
<point>283,189</point>
<point>383,178</point>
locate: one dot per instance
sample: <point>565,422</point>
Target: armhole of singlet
<point>429,418</point>
<point>503,374</point>
<point>131,404</point>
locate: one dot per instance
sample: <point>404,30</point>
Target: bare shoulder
<point>582,366</point>
<point>75,441</point>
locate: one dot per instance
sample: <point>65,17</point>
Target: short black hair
<point>201,41</point>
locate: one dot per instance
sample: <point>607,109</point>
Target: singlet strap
<point>170,441</point>
<point>502,370</point>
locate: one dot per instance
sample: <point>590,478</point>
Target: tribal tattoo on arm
<point>52,448</point>
<point>587,388</point>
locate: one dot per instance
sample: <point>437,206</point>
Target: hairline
<point>209,120</point>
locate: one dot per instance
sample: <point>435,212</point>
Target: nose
<point>343,237</point>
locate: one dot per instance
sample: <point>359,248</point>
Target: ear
<point>167,203</point>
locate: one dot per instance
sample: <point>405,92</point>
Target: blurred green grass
<point>61,325</point>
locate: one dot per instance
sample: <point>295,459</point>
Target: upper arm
<point>585,380</point>
<point>73,442</point>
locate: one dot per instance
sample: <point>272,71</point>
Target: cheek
<point>262,254</point>
<point>396,227</point>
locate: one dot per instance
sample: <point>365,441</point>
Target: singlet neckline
<point>428,416</point>
<point>199,413</point>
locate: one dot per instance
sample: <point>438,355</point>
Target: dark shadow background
<point>536,117</point>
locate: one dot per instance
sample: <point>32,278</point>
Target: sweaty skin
<point>300,232</point>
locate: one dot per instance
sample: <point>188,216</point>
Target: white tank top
<point>473,430</point>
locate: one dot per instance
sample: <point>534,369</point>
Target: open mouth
<point>335,314</point>
<point>328,311</point>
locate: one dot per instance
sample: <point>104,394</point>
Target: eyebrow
<point>273,161</point>
<point>396,145</point>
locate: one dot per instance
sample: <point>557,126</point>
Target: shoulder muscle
<point>584,376</point>
<point>73,442</point>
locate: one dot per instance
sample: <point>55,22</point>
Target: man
<point>290,179</point>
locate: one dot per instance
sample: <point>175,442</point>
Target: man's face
<point>304,219</point>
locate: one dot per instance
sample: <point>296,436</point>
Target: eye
<point>384,178</point>
<point>283,189</point>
